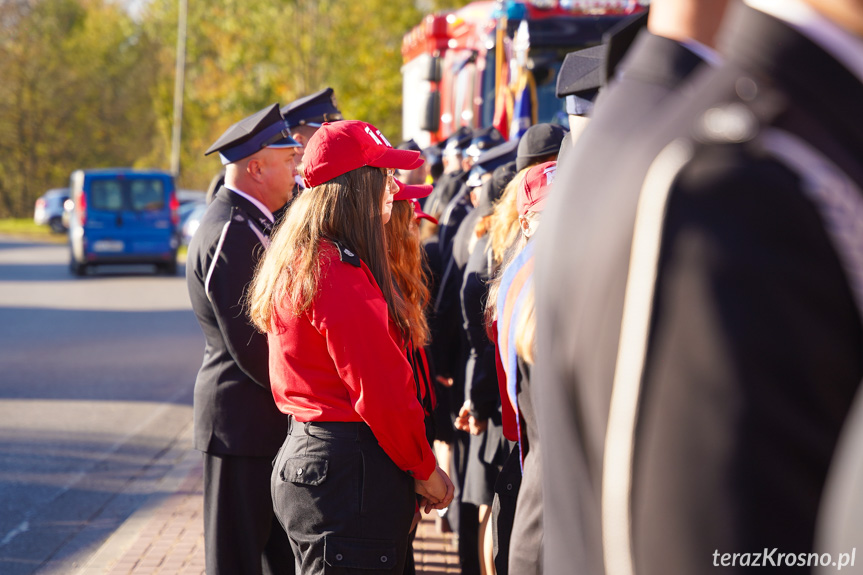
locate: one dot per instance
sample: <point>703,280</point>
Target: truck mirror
<point>433,71</point>
<point>430,107</point>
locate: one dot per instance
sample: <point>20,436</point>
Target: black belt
<point>357,430</point>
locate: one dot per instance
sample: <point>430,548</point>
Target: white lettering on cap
<point>377,137</point>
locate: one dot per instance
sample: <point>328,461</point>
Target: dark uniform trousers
<point>237,424</point>
<point>238,527</point>
<point>719,435</point>
<point>333,486</point>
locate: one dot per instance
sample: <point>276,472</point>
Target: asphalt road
<point>96,378</point>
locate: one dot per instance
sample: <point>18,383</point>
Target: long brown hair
<point>346,209</point>
<point>406,258</point>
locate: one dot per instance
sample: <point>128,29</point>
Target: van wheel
<point>169,269</point>
<point>77,269</point>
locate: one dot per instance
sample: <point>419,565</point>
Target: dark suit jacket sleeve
<point>226,289</point>
<point>753,359</point>
<point>481,377</point>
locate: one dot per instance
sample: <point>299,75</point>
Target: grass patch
<point>26,228</point>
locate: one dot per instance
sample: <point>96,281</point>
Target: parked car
<point>123,216</point>
<point>191,196</point>
<point>189,224</point>
<point>49,209</point>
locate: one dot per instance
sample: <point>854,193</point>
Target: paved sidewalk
<point>166,537</point>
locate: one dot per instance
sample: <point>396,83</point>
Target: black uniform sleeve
<point>753,359</point>
<point>481,386</point>
<point>228,278</point>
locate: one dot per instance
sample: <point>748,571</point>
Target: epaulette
<point>347,255</point>
<point>740,119</point>
<point>237,214</point>
<point>728,123</point>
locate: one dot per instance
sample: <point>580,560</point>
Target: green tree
<point>75,94</point>
<point>86,85</point>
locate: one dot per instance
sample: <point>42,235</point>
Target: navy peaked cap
<point>581,72</point>
<point>459,140</point>
<point>409,145</point>
<point>618,40</point>
<point>488,161</point>
<point>263,129</point>
<point>312,110</point>
<point>484,140</point>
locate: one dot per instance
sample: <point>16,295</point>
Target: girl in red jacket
<point>343,483</point>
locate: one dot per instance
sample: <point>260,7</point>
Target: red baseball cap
<point>339,147</point>
<point>534,188</point>
<point>412,192</point>
<point>420,214</point>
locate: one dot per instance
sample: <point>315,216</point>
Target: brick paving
<point>169,540</point>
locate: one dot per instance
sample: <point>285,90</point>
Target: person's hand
<point>437,491</point>
<point>444,381</point>
<point>462,422</point>
<point>477,426</point>
<point>416,521</point>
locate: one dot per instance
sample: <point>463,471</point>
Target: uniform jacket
<point>481,375</point>
<point>721,430</point>
<point>342,360</point>
<point>234,409</point>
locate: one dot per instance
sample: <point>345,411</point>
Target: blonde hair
<point>406,258</point>
<point>504,229</point>
<point>525,329</point>
<point>346,209</point>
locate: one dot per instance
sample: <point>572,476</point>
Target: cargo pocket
<point>304,470</point>
<point>366,554</point>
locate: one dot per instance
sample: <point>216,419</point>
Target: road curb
<point>187,467</point>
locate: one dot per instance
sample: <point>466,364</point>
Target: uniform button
<point>299,471</point>
<point>339,557</point>
<point>509,486</point>
<point>383,558</point>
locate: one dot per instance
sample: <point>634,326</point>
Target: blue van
<point>123,216</point>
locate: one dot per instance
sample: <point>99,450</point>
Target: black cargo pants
<point>345,505</point>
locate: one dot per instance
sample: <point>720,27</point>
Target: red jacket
<point>340,361</point>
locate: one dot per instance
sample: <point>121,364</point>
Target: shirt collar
<point>834,39</point>
<point>255,202</point>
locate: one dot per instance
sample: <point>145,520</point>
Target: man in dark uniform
<point>237,424</point>
<point>453,175</point>
<point>653,68</point>
<point>697,418</point>
<point>305,115</point>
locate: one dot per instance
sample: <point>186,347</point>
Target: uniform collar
<point>832,38</point>
<point>710,56</point>
<point>254,202</point>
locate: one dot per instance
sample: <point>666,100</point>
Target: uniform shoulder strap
<point>346,255</point>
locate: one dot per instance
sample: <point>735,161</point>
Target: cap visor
<point>425,216</point>
<point>398,159</point>
<point>421,215</point>
<point>286,143</point>
<point>407,192</point>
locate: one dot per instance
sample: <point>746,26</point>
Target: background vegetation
<point>85,84</point>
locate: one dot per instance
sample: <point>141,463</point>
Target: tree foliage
<point>85,84</point>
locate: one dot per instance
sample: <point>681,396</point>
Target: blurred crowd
<point>630,344</point>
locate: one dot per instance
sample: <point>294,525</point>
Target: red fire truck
<point>470,67</point>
